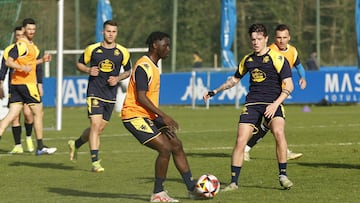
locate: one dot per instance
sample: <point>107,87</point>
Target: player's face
<point>29,31</point>
<point>258,41</point>
<point>163,47</point>
<point>110,33</point>
<point>19,34</point>
<point>282,39</point>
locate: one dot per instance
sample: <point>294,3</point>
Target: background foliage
<point>198,26</point>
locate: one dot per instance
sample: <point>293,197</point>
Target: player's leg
<point>149,135</point>
<point>97,125</point>
<point>243,135</point>
<point>277,126</point>
<point>256,138</point>
<point>28,123</point>
<point>74,145</point>
<point>14,110</point>
<point>16,131</point>
<point>37,110</point>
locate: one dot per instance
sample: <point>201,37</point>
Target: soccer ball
<point>207,186</point>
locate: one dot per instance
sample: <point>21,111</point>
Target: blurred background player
<point>153,128</point>
<point>281,44</point>
<point>197,60</point>
<point>28,118</point>
<point>106,59</point>
<point>270,84</point>
<point>24,58</point>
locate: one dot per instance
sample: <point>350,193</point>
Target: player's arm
<point>45,58</point>
<point>3,71</point>
<point>10,61</point>
<point>93,71</point>
<point>301,72</point>
<point>39,77</point>
<point>114,80</point>
<point>229,83</point>
<point>286,91</point>
<point>141,79</point>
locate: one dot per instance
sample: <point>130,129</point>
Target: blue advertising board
<point>335,86</point>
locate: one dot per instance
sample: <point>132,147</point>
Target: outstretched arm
<point>231,82</point>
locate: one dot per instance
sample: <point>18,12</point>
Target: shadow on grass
<point>330,165</point>
<point>193,154</point>
<point>151,179</point>
<point>42,165</point>
<point>77,193</point>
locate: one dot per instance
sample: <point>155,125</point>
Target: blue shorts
<point>253,113</point>
<point>97,106</point>
<point>144,129</point>
<point>26,94</point>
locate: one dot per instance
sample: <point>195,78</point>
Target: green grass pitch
<point>329,171</point>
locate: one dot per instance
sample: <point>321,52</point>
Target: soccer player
<point>281,44</point>
<point>151,126</point>
<point>24,89</point>
<point>105,59</point>
<point>16,127</point>
<point>268,70</point>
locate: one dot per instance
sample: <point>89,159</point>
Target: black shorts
<point>97,106</point>
<point>27,94</point>
<point>253,113</point>
<point>144,129</point>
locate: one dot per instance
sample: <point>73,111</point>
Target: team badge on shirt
<point>258,75</point>
<point>106,65</point>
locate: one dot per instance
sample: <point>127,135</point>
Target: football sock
<point>16,130</point>
<point>94,155</point>
<point>79,142</point>
<point>40,144</point>
<point>282,168</point>
<point>28,128</point>
<point>258,136</point>
<point>189,181</point>
<point>158,185</point>
<point>235,172</point>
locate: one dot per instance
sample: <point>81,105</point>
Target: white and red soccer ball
<point>208,186</point>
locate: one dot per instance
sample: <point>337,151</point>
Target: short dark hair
<point>110,22</point>
<point>17,28</point>
<point>27,21</point>
<point>258,28</point>
<point>282,27</point>
<point>154,36</point>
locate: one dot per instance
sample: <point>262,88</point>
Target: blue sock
<point>282,168</point>
<point>235,173</point>
<point>79,142</point>
<point>158,185</point>
<point>94,155</point>
<point>189,181</point>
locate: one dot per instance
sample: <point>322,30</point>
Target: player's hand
<point>302,83</point>
<point>168,132</point>
<point>171,123</point>
<point>270,110</point>
<point>113,80</point>
<point>94,71</point>
<point>209,94</point>
<point>26,68</point>
<point>46,58</point>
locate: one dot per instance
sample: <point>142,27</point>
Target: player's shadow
<point>77,193</point>
<point>60,166</point>
<point>329,165</point>
<point>212,154</point>
<point>151,179</point>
